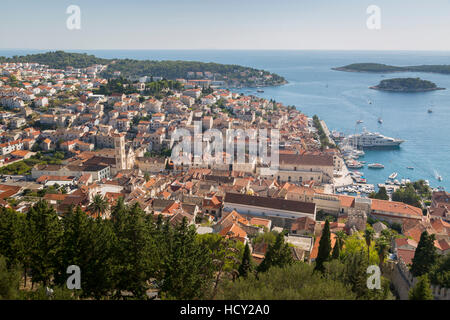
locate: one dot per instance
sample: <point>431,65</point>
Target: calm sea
<point>342,98</point>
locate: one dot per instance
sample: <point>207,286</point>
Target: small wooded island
<point>406,85</point>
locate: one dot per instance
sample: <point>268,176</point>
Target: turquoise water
<point>341,98</point>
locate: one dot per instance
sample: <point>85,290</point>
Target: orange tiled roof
<point>395,207</point>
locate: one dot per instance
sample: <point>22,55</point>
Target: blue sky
<point>226,24</point>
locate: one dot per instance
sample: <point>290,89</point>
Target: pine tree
<point>278,255</point>
<point>100,274</point>
<point>422,290</point>
<point>188,267</point>
<point>323,254</point>
<point>133,250</point>
<point>11,236</point>
<point>9,280</point>
<point>246,265</point>
<point>45,234</point>
<point>425,256</point>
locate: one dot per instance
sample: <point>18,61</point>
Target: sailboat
<point>380,119</point>
<point>438,176</point>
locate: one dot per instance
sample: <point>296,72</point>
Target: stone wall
<point>403,281</point>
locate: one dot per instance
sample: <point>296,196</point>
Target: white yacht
<point>372,140</point>
<point>393,175</point>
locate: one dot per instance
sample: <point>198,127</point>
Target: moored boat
<point>375,166</point>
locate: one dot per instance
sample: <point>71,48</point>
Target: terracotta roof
<point>20,153</point>
<point>405,241</point>
<point>55,196</point>
<point>395,207</point>
<point>260,222</point>
<point>232,217</point>
<point>406,255</point>
<point>311,160</point>
<point>233,231</point>
<point>346,201</point>
<point>303,223</point>
<point>273,203</point>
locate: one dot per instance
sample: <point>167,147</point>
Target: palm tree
<point>98,205</point>
<point>382,246</point>
<point>368,235</point>
<point>340,238</point>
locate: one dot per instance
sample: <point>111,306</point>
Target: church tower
<point>119,147</point>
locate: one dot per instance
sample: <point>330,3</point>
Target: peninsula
<point>218,75</point>
<point>406,85</point>
<point>384,68</point>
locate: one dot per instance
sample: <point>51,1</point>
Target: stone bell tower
<point>119,147</point>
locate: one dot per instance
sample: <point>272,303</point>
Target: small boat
<point>375,166</point>
<point>439,178</point>
<point>430,111</point>
<point>380,121</point>
<point>259,90</point>
<point>410,168</point>
<point>359,121</point>
<point>370,102</point>
<point>393,175</point>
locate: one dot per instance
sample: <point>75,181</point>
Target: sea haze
<point>342,98</point>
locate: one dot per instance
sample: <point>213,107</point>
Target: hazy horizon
<point>232,25</point>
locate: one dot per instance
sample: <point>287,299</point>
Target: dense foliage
<point>440,272</point>
<point>422,290</point>
<point>59,59</point>
<point>406,85</point>
<point>407,195</point>
<point>324,141</point>
<point>130,255</point>
<point>341,280</point>
<point>381,194</point>
<point>297,281</point>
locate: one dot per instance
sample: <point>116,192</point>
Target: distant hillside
<point>236,74</point>
<point>384,68</point>
<point>406,85</point>
<point>59,59</point>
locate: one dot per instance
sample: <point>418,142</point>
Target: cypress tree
<point>425,256</point>
<point>324,247</point>
<point>246,265</point>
